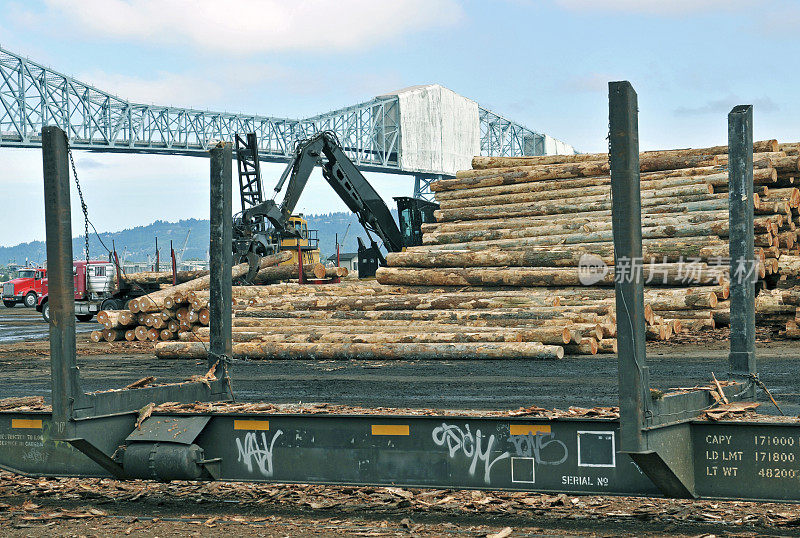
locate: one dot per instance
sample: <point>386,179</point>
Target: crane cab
<point>412,214</point>
<point>307,240</point>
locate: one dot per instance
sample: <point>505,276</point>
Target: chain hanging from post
<point>84,208</point>
<point>83,203</point>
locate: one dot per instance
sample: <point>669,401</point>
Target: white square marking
<point>612,447</point>
<point>523,462</point>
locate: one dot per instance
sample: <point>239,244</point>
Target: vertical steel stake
<point>174,264</point>
<point>626,221</point>
<point>742,357</point>
<point>61,287</point>
<point>221,253</point>
<point>300,279</point>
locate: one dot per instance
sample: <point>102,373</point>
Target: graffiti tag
<point>532,445</point>
<point>470,445</point>
<point>252,451</point>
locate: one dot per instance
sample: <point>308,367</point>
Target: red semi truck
<point>25,289</point>
<point>96,289</point>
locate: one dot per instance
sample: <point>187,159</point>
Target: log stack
<point>397,322</point>
<point>161,315</point>
<point>519,265</point>
<point>544,223</point>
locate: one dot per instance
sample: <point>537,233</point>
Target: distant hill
<point>137,244</point>
<point>330,224</point>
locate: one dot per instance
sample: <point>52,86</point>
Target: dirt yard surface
<point>585,381</point>
<point>94,507</point>
<point>21,324</point>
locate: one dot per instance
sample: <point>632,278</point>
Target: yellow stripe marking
<point>390,429</point>
<point>251,424</point>
<point>525,429</point>
<point>31,423</point>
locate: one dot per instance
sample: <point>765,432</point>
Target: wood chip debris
<point>24,403</point>
<point>144,414</point>
<point>207,378</point>
<point>731,410</point>
<point>49,499</point>
<point>143,382</point>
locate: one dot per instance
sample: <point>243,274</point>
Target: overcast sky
<point>543,63</point>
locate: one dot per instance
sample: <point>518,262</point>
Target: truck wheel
<point>84,317</point>
<point>9,304</point>
<point>30,299</point>
<point>111,304</point>
<point>46,312</point>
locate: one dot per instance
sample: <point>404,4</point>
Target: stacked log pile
<point>367,320</point>
<point>159,277</point>
<point>518,265</point>
<point>534,222</point>
<point>783,302</point>
<point>161,315</point>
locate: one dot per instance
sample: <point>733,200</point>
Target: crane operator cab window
<point>301,228</point>
<point>407,222</point>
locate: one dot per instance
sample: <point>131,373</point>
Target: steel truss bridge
<point>33,96</point>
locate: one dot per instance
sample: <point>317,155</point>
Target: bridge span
<point>425,131</point>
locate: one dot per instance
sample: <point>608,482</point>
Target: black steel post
<point>742,357</point>
<point>626,219</point>
<point>220,301</point>
<point>61,288</point>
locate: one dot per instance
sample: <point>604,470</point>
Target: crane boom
<point>345,179</point>
<point>185,242</point>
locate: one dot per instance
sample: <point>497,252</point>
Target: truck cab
<point>26,288</point>
<point>95,288</point>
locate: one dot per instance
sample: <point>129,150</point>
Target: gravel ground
<point>585,381</point>
<point>45,507</point>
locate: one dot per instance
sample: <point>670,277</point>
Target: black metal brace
<point>655,433</point>
<point>95,423</point>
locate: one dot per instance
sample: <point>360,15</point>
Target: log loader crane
<point>265,227</point>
